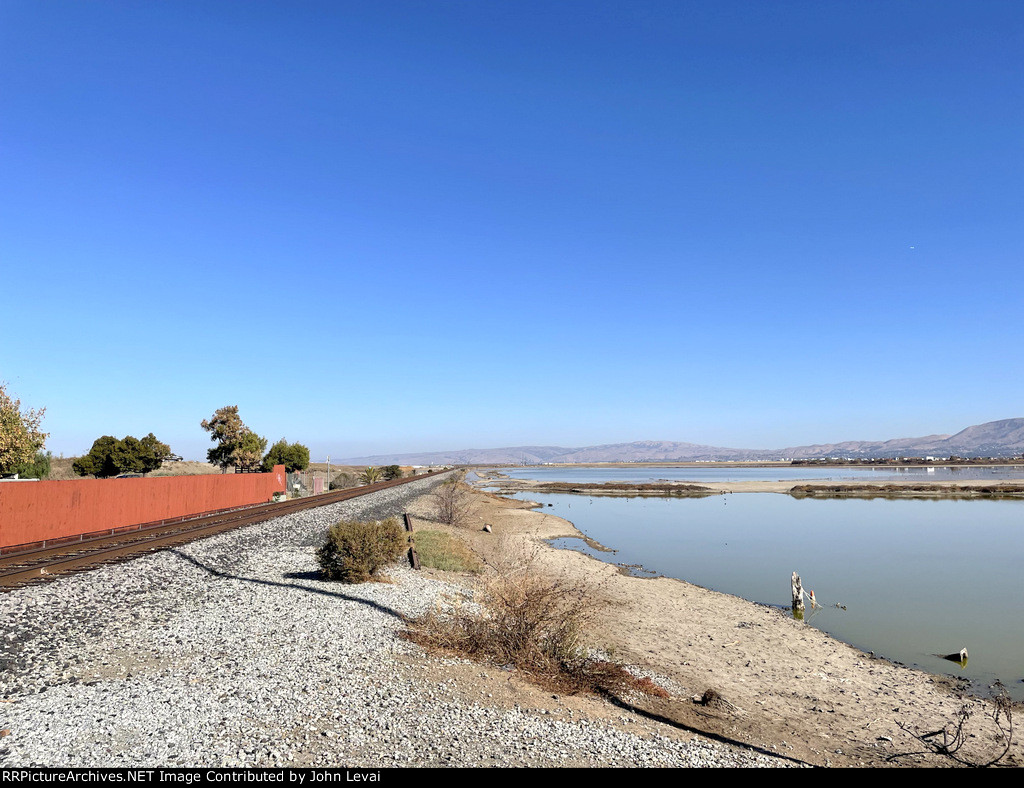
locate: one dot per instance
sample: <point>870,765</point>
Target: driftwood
<point>798,597</point>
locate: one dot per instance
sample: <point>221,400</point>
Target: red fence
<point>36,511</point>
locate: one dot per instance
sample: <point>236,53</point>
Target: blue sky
<point>406,226</point>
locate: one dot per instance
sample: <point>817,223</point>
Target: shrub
<point>36,468</point>
<point>371,475</point>
<point>532,621</point>
<point>342,481</point>
<point>356,551</point>
<point>452,502</point>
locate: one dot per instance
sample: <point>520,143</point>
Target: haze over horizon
<point>402,226</point>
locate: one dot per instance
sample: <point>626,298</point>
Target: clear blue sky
<point>402,226</point>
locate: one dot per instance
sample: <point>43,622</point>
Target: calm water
<point>917,577</point>
<point>651,473</point>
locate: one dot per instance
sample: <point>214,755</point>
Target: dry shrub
<point>452,502</point>
<point>968,742</point>
<point>531,621</point>
<point>356,551</point>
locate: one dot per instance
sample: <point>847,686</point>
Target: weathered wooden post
<point>414,559</point>
<point>798,598</point>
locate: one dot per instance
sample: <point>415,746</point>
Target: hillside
<point>1004,438</point>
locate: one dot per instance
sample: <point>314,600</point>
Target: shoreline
<point>790,688</point>
<point>818,488</point>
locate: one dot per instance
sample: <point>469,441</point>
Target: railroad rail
<point>46,563</point>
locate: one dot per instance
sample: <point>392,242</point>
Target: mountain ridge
<point>1002,438</point>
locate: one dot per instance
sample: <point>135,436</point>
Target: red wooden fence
<point>36,511</point>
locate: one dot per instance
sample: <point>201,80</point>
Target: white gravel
<point>230,652</point>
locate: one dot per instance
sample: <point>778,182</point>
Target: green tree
<point>392,472</point>
<point>99,462</point>
<point>293,456</point>
<point>110,456</point>
<point>226,428</point>
<point>20,436</point>
<point>126,455</point>
<point>36,468</point>
<point>236,444</point>
<point>249,450</point>
<point>152,453</point>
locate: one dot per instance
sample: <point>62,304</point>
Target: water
<point>718,473</point>
<point>917,577</point>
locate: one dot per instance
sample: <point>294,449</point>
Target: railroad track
<point>42,564</point>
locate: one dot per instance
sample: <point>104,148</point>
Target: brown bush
<point>531,621</point>
<point>356,551</point>
<point>452,502</point>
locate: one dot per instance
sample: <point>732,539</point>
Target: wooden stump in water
<point>798,598</point>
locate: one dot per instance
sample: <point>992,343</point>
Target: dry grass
<point>185,468</point>
<point>439,550</point>
<point>60,469</point>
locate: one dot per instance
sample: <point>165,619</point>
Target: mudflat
<point>779,685</point>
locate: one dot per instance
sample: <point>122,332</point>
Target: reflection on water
<point>897,577</point>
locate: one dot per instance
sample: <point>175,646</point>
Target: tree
<point>392,472</point>
<point>36,468</point>
<point>226,428</point>
<point>152,453</point>
<point>236,444</point>
<point>293,456</point>
<point>20,437</point>
<point>249,451</point>
<point>99,462</point>
<point>126,455</point>
<point>110,456</point>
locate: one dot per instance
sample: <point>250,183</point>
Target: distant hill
<point>1003,438</point>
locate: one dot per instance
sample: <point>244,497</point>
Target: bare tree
<point>452,501</point>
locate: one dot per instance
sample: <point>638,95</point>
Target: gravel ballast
<point>231,652</point>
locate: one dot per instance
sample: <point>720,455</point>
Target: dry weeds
<point>525,619</point>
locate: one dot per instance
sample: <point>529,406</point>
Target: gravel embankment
<point>230,652</point>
